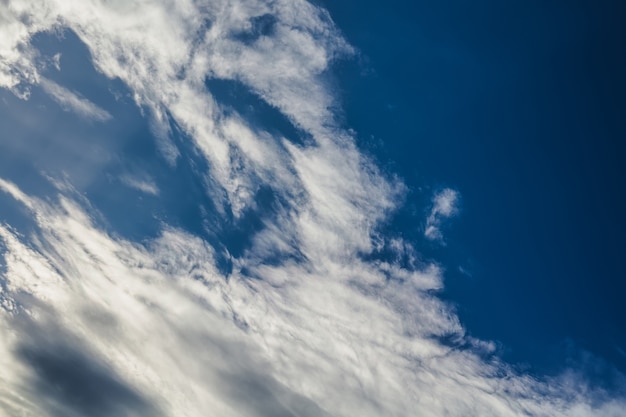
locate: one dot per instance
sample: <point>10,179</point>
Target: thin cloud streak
<point>70,101</point>
<point>304,324</point>
<point>145,185</point>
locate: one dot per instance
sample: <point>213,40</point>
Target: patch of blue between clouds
<point>263,25</point>
<point>234,96</point>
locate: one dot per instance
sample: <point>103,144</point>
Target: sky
<point>520,108</point>
<point>292,208</point>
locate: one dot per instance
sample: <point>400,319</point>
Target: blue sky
<point>292,209</point>
<point>520,108</point>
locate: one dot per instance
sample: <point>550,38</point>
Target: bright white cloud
<point>156,326</point>
<point>445,205</point>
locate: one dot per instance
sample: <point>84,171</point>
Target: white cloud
<point>445,205</point>
<point>70,101</point>
<point>141,183</point>
<point>157,327</point>
<point>56,61</point>
<point>166,334</point>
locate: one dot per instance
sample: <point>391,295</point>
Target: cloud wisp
<point>303,324</point>
<point>70,101</point>
<point>445,205</point>
<point>145,185</point>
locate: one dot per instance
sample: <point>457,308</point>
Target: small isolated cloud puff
<point>445,205</point>
<point>70,101</point>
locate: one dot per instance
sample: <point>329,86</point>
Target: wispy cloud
<point>328,340</point>
<point>444,205</point>
<point>142,184</point>
<point>304,324</point>
<point>71,101</point>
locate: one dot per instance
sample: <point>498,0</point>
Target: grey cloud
<point>66,378</point>
<point>70,382</point>
<point>260,395</point>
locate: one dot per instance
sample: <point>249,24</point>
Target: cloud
<point>73,383</point>
<point>307,321</point>
<point>156,327</point>
<point>143,184</point>
<point>445,205</point>
<point>72,102</point>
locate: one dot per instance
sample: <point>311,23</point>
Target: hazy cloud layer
<point>304,324</point>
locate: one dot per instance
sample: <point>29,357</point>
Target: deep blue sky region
<point>520,106</point>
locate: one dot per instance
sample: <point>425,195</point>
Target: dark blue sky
<point>521,107</point>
